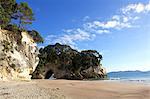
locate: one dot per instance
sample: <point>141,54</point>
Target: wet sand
<point>72,89</point>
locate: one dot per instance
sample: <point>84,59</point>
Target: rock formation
<point>63,62</point>
<point>18,55</point>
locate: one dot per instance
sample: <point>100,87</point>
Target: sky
<point>118,29</point>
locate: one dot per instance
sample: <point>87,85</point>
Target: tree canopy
<point>36,36</point>
<point>7,8</point>
<point>11,11</point>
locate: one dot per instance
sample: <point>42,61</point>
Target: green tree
<point>36,36</point>
<point>12,11</point>
<point>7,8</point>
<point>24,14</point>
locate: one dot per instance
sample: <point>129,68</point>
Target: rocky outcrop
<point>18,55</point>
<point>63,62</point>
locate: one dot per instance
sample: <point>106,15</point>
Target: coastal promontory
<point>62,62</point>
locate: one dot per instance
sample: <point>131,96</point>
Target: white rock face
<point>18,57</point>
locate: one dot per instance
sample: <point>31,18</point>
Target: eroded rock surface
<point>18,55</point>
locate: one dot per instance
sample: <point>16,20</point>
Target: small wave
<point>114,78</point>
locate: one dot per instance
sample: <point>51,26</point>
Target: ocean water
<point>142,80</point>
<point>130,76</point>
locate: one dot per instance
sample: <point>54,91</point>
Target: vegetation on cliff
<point>67,63</point>
<point>18,50</point>
<point>15,16</point>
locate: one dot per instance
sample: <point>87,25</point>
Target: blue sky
<point>119,29</point>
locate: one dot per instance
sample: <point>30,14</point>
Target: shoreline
<point>73,89</point>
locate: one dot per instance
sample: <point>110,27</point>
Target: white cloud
<point>125,19</point>
<point>136,8</point>
<point>102,31</point>
<point>116,17</point>
<point>70,37</point>
<point>147,7</point>
<point>89,30</point>
<point>86,18</point>
<point>112,24</point>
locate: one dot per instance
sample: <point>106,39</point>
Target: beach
<point>73,89</point>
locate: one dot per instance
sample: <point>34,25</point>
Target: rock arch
<point>48,74</point>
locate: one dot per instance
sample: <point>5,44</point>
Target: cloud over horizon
<point>90,29</point>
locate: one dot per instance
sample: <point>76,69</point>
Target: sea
<point>130,77</point>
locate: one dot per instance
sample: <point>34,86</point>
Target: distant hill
<point>129,74</point>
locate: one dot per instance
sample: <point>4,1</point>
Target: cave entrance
<point>49,74</point>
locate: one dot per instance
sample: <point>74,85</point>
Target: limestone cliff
<point>63,62</point>
<point>18,55</point>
